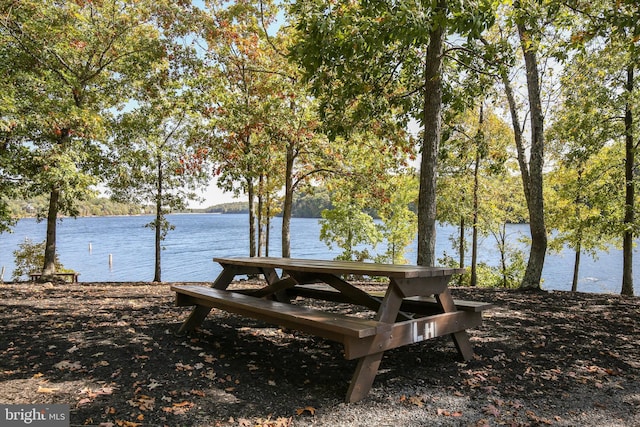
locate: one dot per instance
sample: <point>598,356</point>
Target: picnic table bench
<point>416,306</point>
<point>73,276</point>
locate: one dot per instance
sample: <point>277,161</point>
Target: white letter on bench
<point>416,336</point>
<point>429,331</point>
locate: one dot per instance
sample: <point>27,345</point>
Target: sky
<point>215,196</point>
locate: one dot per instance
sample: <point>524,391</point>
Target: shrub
<point>29,257</point>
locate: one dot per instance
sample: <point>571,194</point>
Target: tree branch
<point>266,33</point>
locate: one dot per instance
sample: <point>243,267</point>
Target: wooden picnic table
<point>72,275</point>
<point>416,306</point>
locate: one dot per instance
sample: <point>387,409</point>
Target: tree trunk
<point>252,218</point>
<point>535,202</point>
<point>503,255</point>
<point>474,238</point>
<point>157,275</point>
<point>49,267</point>
<point>287,209</point>
<point>267,228</point>
<point>430,144</point>
<point>629,208</point>
<point>576,268</point>
<point>461,243</point>
<point>476,203</point>
<point>260,215</point>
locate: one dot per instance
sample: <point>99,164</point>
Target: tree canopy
<point>397,108</point>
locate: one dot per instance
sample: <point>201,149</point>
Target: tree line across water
<point>304,206</point>
<point>475,113</point>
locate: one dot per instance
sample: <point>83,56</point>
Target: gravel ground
<point>110,352</point>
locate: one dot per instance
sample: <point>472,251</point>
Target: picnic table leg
<point>195,319</point>
<point>363,377</point>
<point>460,338</point>
<point>270,275</point>
<point>225,277</point>
<point>367,367</point>
<point>463,345</point>
<point>199,312</point>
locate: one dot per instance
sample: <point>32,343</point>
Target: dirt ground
<point>109,351</point>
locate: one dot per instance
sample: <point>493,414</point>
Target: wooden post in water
<point>110,261</point>
<point>90,248</point>
<point>2,275</point>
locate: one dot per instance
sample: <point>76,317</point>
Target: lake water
<point>85,245</point>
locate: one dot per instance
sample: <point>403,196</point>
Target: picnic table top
<point>398,271</point>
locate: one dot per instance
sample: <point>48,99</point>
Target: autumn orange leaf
<point>417,401</point>
<point>310,409</point>
<point>142,402</point>
<point>179,408</point>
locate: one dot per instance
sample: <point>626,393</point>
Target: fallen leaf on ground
<point>448,413</point>
<point>66,364</point>
<point>179,408</point>
<point>491,410</point>
<point>417,401</point>
<point>310,409</point>
<point>142,402</point>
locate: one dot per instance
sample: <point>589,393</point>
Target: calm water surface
<point>85,245</point>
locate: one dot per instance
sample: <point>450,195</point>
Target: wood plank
<point>321,292</point>
<point>362,380</point>
<point>304,318</point>
<point>73,276</point>
<point>414,331</point>
<point>417,304</point>
<point>340,267</point>
<point>195,319</point>
<point>422,286</point>
<point>354,294</point>
<point>274,287</point>
<point>475,306</point>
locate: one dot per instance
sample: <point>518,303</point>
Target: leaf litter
<point>109,351</point>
